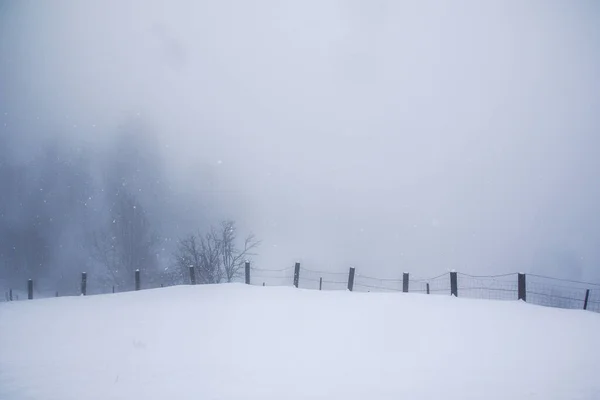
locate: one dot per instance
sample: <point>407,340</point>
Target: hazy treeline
<point>106,210</point>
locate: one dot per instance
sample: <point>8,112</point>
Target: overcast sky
<point>389,135</point>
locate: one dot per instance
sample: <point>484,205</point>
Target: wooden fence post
<point>10,294</point>
<point>30,289</point>
<point>296,274</point>
<point>137,279</point>
<point>453,284</point>
<point>83,284</point>
<point>192,275</point>
<point>351,279</point>
<point>247,271</point>
<point>427,288</point>
<point>522,287</point>
<point>263,284</point>
<point>113,288</point>
<point>320,283</point>
<point>56,294</point>
<point>405,282</point>
<point>587,297</point>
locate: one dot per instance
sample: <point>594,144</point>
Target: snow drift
<point>242,342</point>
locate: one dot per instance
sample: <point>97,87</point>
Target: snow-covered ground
<point>241,342</point>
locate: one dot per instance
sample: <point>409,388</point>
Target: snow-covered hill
<point>241,342</point>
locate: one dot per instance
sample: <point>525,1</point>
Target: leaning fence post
<point>30,289</point>
<point>137,279</point>
<point>247,271</point>
<point>83,284</point>
<point>296,274</point>
<point>427,288</point>
<point>321,283</point>
<point>192,275</point>
<point>351,278</point>
<point>453,284</point>
<point>522,287</point>
<point>405,282</point>
<point>587,297</point>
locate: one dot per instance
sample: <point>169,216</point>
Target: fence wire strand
<point>564,280</point>
<point>376,287</point>
<point>271,270</point>
<point>488,276</point>
<point>321,272</point>
<point>445,274</point>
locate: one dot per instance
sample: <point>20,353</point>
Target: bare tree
<point>203,253</point>
<point>234,258</point>
<point>211,263</point>
<point>214,254</point>
<point>187,254</point>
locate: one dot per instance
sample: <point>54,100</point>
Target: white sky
<point>390,135</point>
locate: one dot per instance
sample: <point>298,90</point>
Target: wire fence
<point>493,287</point>
<point>535,289</point>
<point>553,292</point>
<point>540,290</point>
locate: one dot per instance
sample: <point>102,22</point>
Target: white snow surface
<point>243,342</point>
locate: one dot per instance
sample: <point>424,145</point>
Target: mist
<point>390,136</point>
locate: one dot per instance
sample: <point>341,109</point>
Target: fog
<point>390,136</point>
